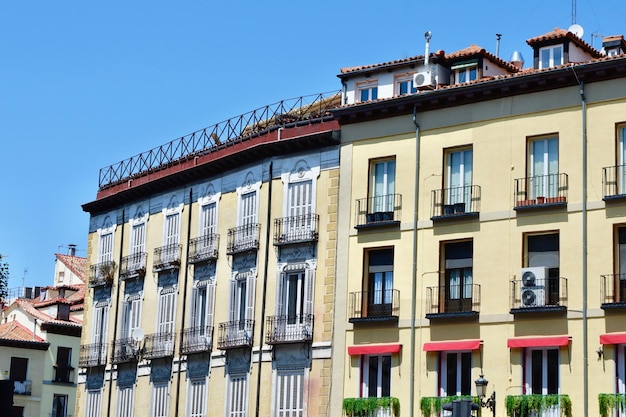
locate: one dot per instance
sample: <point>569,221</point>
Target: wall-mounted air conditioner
<point>424,79</point>
<point>532,290</point>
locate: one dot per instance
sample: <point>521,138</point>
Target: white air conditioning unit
<point>423,79</point>
<point>532,290</point>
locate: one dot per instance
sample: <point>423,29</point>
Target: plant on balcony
<point>522,405</point>
<point>363,407</point>
<point>609,402</point>
<point>107,271</point>
<point>431,406</point>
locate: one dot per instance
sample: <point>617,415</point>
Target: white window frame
<point>370,88</point>
<point>237,398</point>
<point>528,369</point>
<point>207,220</point>
<point>125,401</point>
<point>305,294</point>
<point>621,159</point>
<point>293,382</point>
<point>166,310</point>
<point>197,397</point>
<point>383,200</point>
<point>203,305</point>
<point>131,314</point>
<point>544,158</point>
<point>159,404</point>
<point>106,241</point>
<point>550,50</point>
<point>300,188</point>
<point>93,402</point>
<point>241,307</point>
<point>459,165</point>
<point>459,371</point>
<point>365,359</point>
<point>406,80</point>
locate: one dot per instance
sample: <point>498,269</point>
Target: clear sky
<point>85,84</point>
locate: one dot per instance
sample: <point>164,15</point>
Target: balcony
<point>133,266</point>
<point>371,407</point>
<point>545,295</point>
<point>203,248</point>
<point>537,405</point>
<point>167,257</point>
<point>433,406</point>
<point>455,203</point>
<point>159,345</point>
<point>63,373</point>
<point>101,274</point>
<point>453,301</point>
<point>614,183</point>
<point>613,291</point>
<point>541,191</point>
<point>243,238</point>
<point>235,334</point>
<point>296,229</point>
<point>378,211</point>
<point>92,355</point>
<point>374,306</point>
<point>611,404</point>
<point>196,340</point>
<point>289,329</point>
<point>22,387</point>
<point>125,350</point>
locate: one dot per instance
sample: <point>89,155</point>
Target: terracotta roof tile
<point>408,60</point>
<point>76,264</point>
<point>562,34</point>
<point>475,50</point>
<point>13,330</point>
<point>29,308</point>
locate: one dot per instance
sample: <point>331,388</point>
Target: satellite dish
<point>577,30</point>
<point>137,335</point>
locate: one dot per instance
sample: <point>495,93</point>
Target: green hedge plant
<point>365,407</point>
<point>608,402</point>
<point>521,405</point>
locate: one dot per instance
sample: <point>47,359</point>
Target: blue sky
<point>86,84</point>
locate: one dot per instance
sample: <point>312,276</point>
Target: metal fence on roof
<point>226,133</point>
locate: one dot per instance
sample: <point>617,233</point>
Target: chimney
<point>427,36</point>
<point>71,251</point>
<point>517,60</point>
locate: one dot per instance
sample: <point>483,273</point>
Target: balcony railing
<point>541,191</point>
<point>167,257</point>
<point>455,202</point>
<point>243,238</point>
<point>133,266</point>
<point>289,329</point>
<point>125,350</point>
<point>296,229</point>
<point>235,334</point>
<point>197,339</point>
<point>93,354</point>
<point>159,345</point>
<point>383,210</point>
<point>613,291</point>
<point>537,405</point>
<point>203,248</point>
<point>380,305</point>
<point>611,404</point>
<point>371,407</point>
<point>453,301</point>
<point>22,387</point>
<point>546,294</point>
<point>101,274</point>
<point>614,182</point>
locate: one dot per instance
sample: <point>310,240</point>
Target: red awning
<point>523,342</point>
<point>373,349</point>
<point>468,344</point>
<point>612,338</point>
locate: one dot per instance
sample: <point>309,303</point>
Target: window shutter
<point>251,281</point>
<point>210,300</point>
<point>166,310</point>
<point>280,296</point>
<point>309,277</point>
<point>232,313</point>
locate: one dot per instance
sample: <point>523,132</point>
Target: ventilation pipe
<point>427,36</point>
<point>71,251</point>
<point>517,60</point>
<point>498,37</point>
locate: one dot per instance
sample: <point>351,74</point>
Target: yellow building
<point>212,264</point>
<point>482,229</point>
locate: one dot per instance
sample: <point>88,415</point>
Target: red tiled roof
<point>408,60</point>
<point>29,308</point>
<point>557,34</point>
<point>13,330</point>
<point>76,264</point>
<point>475,50</point>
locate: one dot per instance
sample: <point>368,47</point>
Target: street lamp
<point>481,391</point>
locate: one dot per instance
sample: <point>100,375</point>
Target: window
<point>620,283</point>
<point>105,249</point>
<point>17,373</point>
<point>208,219</point>
<point>99,328</point>
<point>294,299</point>
<point>465,72</point>
<point>63,365</point>
<point>367,91</point>
<point>299,207</point>
<point>197,401</point>
<point>550,56</point>
<point>458,276</point>
<point>543,251</point>
<point>382,189</point>
<point>165,318</point>
<point>59,405</point>
<point>242,300</point>
<point>459,180</point>
<point>160,400</point>
<point>544,168</point>
<point>620,369</point>
<point>131,315</point>
<point>621,159</point>
<point>379,283</point>
<point>137,246</point>
<point>456,373</point>
<point>542,371</point>
<point>290,393</point>
<point>237,395</point>
<point>376,375</point>
<point>125,401</point>
<point>93,403</point>
<point>202,306</point>
<point>404,85</point>
<point>63,312</point>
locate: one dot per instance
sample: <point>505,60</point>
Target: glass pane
<point>404,87</point>
<point>553,371</point>
<point>462,76</point>
<point>467,283</point>
<point>451,373</point>
<point>473,73</point>
<point>557,55</point>
<point>455,282</point>
<point>364,94</point>
<point>537,372</point>
<point>545,58</point>
<point>372,377</point>
<point>374,93</point>
<point>466,373</point>
<point>386,377</point>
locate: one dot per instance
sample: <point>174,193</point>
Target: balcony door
<point>382,189</point>
<point>456,373</point>
<point>241,313</point>
<point>202,307</point>
<point>99,330</point>
<point>208,228</point>
<point>619,282</point>
<point>459,181</point>
<point>380,283</point>
<point>165,318</point>
<point>544,168</point>
<point>458,285</point>
<point>621,160</point>
<point>299,209</point>
<point>543,251</point>
<point>376,376</point>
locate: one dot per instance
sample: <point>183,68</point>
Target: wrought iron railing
<point>378,211</point>
<point>196,339</point>
<point>613,291</point>
<point>125,350</point>
<point>452,300</point>
<point>614,182</point>
<point>167,257</point>
<point>543,294</point>
<point>243,238</point>
<point>203,248</point>
<point>455,202</point>
<point>101,273</point>
<point>234,334</point>
<point>541,190</point>
<point>226,133</point>
<point>133,265</point>
<point>159,345</point>
<point>296,229</point>
<point>288,329</point>
<point>93,354</point>
<point>22,387</point>
<point>374,305</point>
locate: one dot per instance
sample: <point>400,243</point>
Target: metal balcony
<point>296,229</point>
<point>133,266</point>
<point>159,345</point>
<point>541,191</point>
<point>614,183</point>
<point>545,295</point>
<point>167,257</point>
<point>235,334</point>
<point>453,301</point>
<point>203,248</point>
<point>289,329</point>
<point>243,238</point>
<point>376,306</point>
<point>125,350</point>
<point>384,210</point>
<point>102,274</point>
<point>197,339</point>
<point>613,291</point>
<point>457,202</point>
<point>93,354</point>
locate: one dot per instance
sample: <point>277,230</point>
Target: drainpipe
<point>583,102</point>
<point>182,329</point>
<point>263,300</point>
<point>414,269</point>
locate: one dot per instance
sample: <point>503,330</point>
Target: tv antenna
<point>573,13</point>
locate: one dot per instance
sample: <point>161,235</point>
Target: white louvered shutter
<point>250,287</point>
<point>166,310</point>
<point>309,290</point>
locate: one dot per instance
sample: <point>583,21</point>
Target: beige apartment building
<point>212,263</point>
<point>483,235</point>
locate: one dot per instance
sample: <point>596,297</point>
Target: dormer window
<point>367,91</point>
<point>550,56</point>
<point>404,85</point>
<point>465,71</point>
